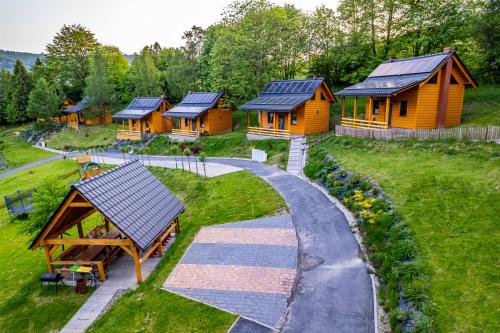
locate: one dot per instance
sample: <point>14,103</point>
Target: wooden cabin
<point>62,118</point>
<point>415,93</point>
<point>142,118</point>
<point>288,107</point>
<point>202,113</point>
<point>137,220</point>
<point>75,115</point>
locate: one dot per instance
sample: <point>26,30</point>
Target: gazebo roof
<point>136,202</point>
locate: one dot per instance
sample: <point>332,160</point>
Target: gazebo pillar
<point>137,263</point>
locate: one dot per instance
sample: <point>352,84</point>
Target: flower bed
<point>391,245</point>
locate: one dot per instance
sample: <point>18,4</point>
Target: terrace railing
<point>128,135</point>
<point>189,133</point>
<point>269,132</point>
<point>362,123</point>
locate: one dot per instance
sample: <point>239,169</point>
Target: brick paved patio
<point>247,267</point>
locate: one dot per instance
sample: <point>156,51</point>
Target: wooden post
<point>177,226</point>
<point>355,109</point>
<point>102,272</point>
<point>137,263</point>
<point>80,230</point>
<point>248,118</point>
<point>140,127</point>
<point>260,119</point>
<point>343,107</point>
<point>370,109</point>
<point>444,88</point>
<point>106,224</point>
<point>46,249</point>
<point>160,247</point>
<point>274,122</point>
<point>387,103</point>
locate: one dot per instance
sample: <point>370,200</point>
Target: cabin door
<point>281,121</point>
<point>193,124</point>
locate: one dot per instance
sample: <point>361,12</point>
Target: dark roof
<point>133,200</point>
<point>194,104</point>
<point>78,107</point>
<point>395,75</point>
<point>139,107</point>
<point>284,95</point>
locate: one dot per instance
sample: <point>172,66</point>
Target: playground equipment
<point>87,167</point>
<point>19,203</point>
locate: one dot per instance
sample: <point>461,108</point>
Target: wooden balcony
<point>128,135</point>
<point>179,132</point>
<point>269,132</point>
<point>362,123</point>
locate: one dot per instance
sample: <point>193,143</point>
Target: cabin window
<point>202,123</point>
<point>323,98</point>
<point>294,118</point>
<point>403,108</point>
<point>186,122</point>
<point>270,117</point>
<point>453,80</point>
<point>376,107</point>
<point>433,79</point>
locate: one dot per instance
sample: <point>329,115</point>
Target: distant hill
<point>8,58</point>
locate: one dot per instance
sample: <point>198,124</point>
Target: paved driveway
<point>334,291</point>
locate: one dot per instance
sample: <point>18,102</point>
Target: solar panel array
<point>415,65</point>
<point>139,107</point>
<point>201,99</point>
<point>189,112</point>
<point>393,76</point>
<point>283,95</point>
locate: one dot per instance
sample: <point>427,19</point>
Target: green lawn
<point>18,151</point>
<point>234,144</point>
<point>24,306</point>
<point>84,138</point>
<point>481,106</point>
<point>208,201</point>
<point>449,194</point>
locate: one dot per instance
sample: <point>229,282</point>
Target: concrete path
<point>296,155</point>
<point>248,268</point>
<point>30,165</point>
<point>121,277</point>
<point>212,169</point>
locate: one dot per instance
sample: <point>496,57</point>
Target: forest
<point>253,42</point>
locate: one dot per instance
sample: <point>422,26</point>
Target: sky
<point>28,25</point>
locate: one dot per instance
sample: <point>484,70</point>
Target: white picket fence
<point>486,134</point>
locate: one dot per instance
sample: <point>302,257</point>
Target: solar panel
<point>410,66</point>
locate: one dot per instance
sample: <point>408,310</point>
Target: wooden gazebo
<point>139,215</point>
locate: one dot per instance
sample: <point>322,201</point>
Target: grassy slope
<point>83,138</point>
<point>481,106</point>
<point>233,144</point>
<point>24,306</point>
<point>17,151</point>
<point>449,194</point>
<point>208,202</point>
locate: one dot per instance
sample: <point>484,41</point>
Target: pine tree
<point>21,87</point>
<point>44,102</point>
<point>5,92</point>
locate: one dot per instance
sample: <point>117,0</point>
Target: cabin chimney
<point>448,50</point>
<point>392,59</point>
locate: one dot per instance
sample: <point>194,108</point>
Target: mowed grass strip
<point>24,306</point>
<point>85,137</point>
<point>449,193</point>
<point>233,197</point>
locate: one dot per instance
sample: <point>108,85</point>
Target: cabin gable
<point>317,111</point>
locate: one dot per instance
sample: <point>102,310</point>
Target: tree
<point>178,73</point>
<point>144,76</point>
<point>174,150</point>
<point>44,102</point>
<point>68,57</point>
<point>203,160</point>
<point>99,91</point>
<point>5,91</point>
<point>188,153</point>
<point>116,68</point>
<point>487,35</point>
<point>46,199</point>
<point>21,87</point>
